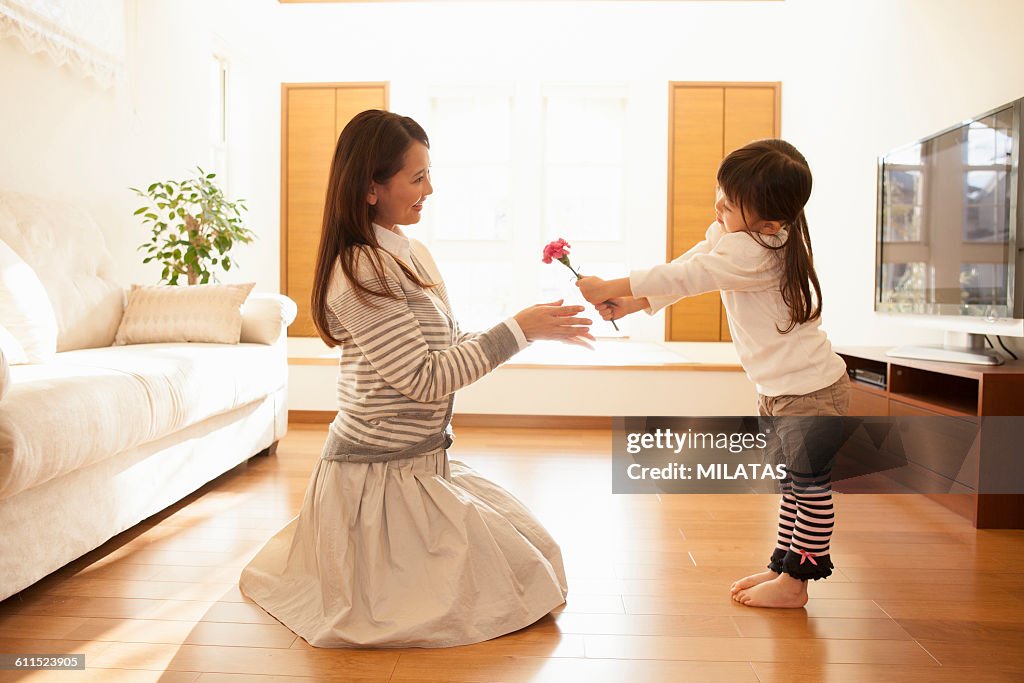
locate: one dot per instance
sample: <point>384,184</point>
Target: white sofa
<point>98,437</point>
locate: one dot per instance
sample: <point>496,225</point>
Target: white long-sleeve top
<point>749,277</point>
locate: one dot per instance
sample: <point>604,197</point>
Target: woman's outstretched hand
<point>555,321</point>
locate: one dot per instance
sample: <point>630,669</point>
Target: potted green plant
<point>193,226</point>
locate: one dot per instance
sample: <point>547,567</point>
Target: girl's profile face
<point>728,214</point>
<point>399,201</point>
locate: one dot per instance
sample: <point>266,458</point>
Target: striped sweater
<point>402,359</point>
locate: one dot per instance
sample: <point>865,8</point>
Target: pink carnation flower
<point>556,250</point>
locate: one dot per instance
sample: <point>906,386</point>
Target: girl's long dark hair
<point>372,147</point>
<point>771,178</point>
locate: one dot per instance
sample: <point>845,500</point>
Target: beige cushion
<point>196,313</point>
<point>88,405</point>
<point>65,248</point>
<point>30,328</point>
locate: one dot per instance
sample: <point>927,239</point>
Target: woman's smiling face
<point>399,201</point>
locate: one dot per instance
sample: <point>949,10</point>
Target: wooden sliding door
<point>706,122</point>
<point>312,117</point>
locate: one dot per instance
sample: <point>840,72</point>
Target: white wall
<point>859,77</point>
<point>873,75</point>
<point>64,136</point>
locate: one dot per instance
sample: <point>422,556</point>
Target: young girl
<point>395,545</point>
<point>758,254</point>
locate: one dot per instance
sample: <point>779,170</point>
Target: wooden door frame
<point>672,85</point>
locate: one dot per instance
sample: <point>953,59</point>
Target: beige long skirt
<point>408,553</point>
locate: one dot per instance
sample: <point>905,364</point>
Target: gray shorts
<point>832,400</point>
<point>805,432</point>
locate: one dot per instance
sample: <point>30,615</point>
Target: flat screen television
<point>950,233</point>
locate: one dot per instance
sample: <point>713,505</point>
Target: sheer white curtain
<point>87,35</point>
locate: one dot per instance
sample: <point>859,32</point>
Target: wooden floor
<point>919,595</point>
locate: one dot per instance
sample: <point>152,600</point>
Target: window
<point>584,167</point>
<point>468,223</point>
<point>513,169</point>
<point>219,118</point>
<point>471,154</point>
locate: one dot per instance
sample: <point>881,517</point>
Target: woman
<point>395,545</point>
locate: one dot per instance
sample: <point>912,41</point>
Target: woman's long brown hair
<point>772,179</point>
<point>372,147</point>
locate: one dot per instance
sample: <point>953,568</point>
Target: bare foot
<point>752,580</point>
<point>783,592</point>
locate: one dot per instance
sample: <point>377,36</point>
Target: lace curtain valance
<point>87,35</point>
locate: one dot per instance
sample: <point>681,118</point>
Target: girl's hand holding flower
<point>620,307</point>
<point>593,289</point>
<point>597,291</point>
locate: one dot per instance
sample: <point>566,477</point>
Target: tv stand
<point>974,353</point>
<point>883,385</point>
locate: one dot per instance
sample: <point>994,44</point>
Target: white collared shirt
<point>394,242</point>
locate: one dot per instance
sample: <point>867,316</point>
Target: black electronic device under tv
<point>950,234</point>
